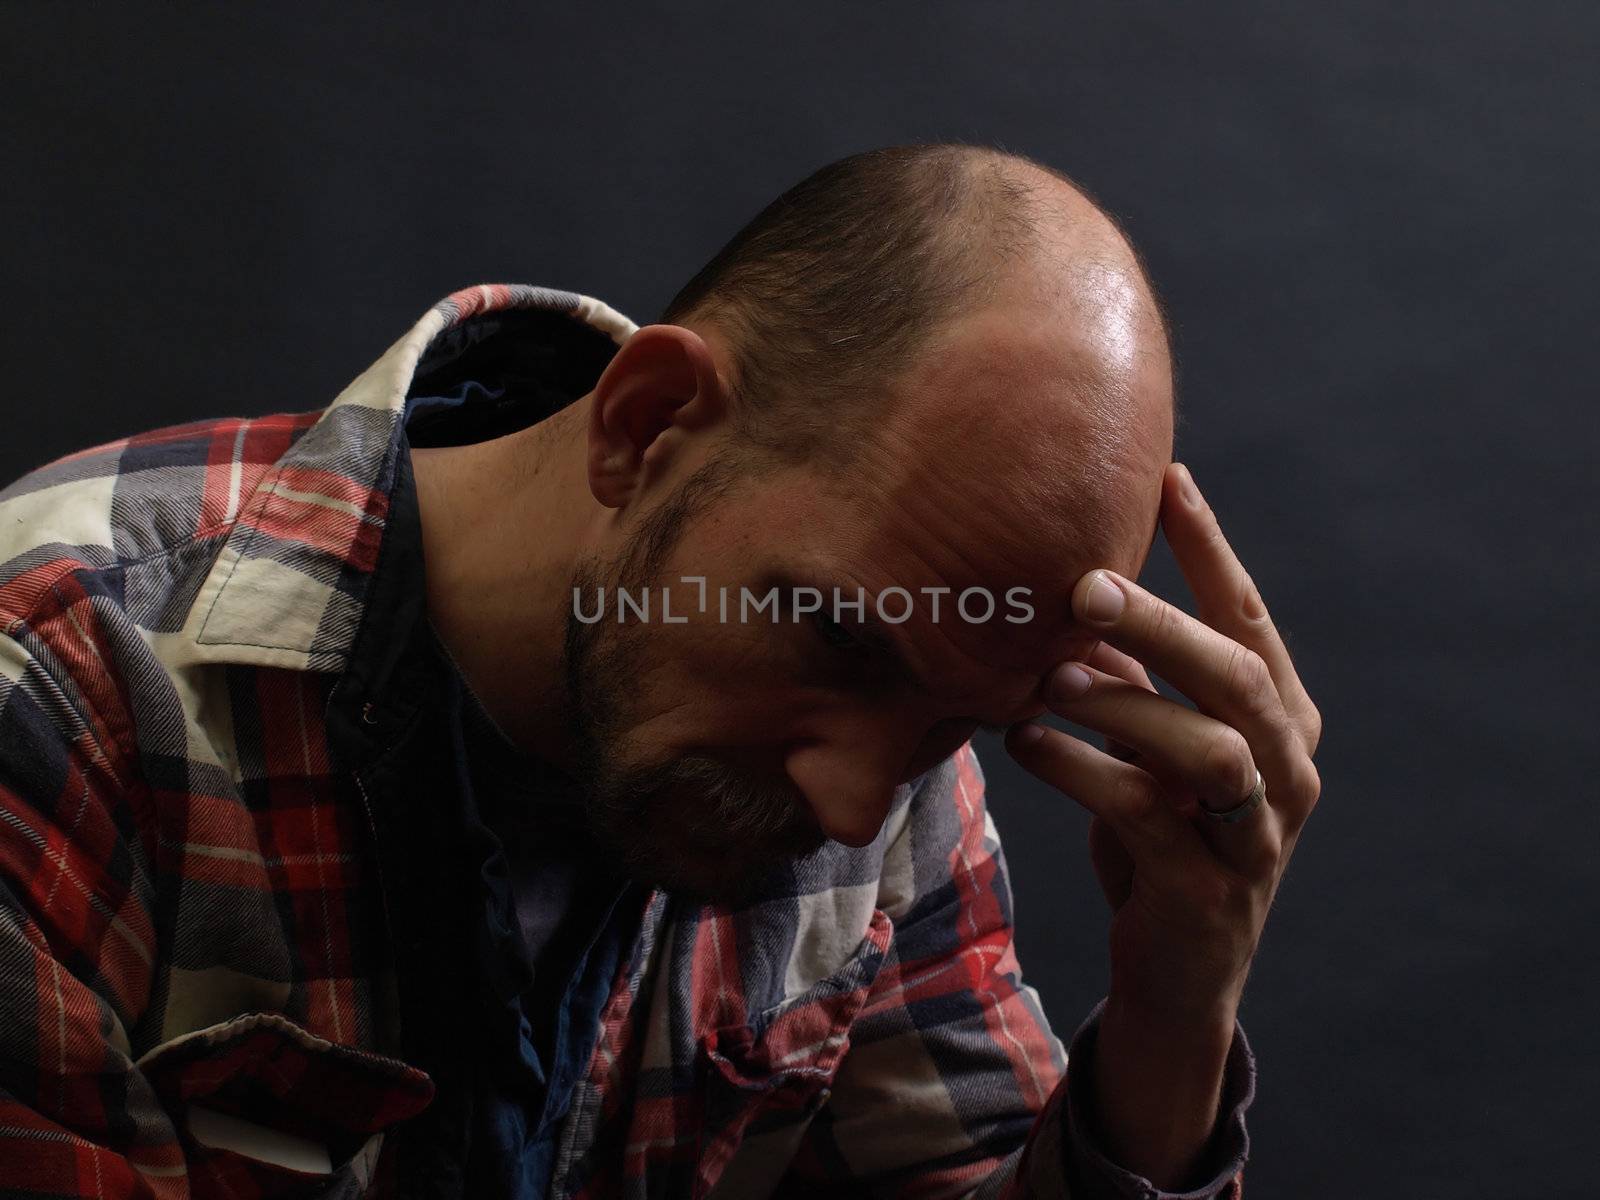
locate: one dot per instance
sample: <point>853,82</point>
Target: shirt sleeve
<point>1219,1174</point>
<point>77,943</point>
<point>954,1084</point>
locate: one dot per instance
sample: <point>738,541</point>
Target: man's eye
<point>832,632</point>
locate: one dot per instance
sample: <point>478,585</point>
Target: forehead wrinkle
<point>906,546</point>
<point>1032,524</point>
<point>1040,524</point>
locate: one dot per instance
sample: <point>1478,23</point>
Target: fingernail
<point>1027,733</point>
<point>1069,682</point>
<point>1186,487</point>
<point>1104,602</point>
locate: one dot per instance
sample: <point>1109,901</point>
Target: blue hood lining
<point>503,371</point>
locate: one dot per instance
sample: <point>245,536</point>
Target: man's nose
<point>849,781</point>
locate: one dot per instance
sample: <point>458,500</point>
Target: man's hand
<point>1190,893</point>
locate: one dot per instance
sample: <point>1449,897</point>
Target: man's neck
<point>501,521</point>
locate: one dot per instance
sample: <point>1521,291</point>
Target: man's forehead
<point>1010,503</point>
<point>1011,508</point>
<point>959,613</point>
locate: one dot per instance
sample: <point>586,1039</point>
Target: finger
<point>1124,666</point>
<point>1186,750</point>
<point>1163,844</point>
<point>1226,597</point>
<point>1114,662</point>
<point>1224,679</point>
<point>1198,752</point>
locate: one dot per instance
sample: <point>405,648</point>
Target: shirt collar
<point>291,585</point>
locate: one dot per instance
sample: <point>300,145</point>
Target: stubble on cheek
<point>700,827</point>
<point>690,824</point>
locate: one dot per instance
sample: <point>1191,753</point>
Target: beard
<point>693,825</point>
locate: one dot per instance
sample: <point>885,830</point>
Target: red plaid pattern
<point>191,914</point>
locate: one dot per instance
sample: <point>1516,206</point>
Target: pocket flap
<point>264,1068</point>
<point>805,1035</point>
<point>783,1059</point>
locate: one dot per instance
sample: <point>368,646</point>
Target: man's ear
<point>661,383</point>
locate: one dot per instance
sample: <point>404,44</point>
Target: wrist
<point>1157,1084</point>
<point>1169,1023</point>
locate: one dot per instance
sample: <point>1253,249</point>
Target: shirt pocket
<point>258,1101</point>
<point>767,1077</point>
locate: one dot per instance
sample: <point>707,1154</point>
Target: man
<point>348,850</point>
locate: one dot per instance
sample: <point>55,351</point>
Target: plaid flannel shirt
<point>221,913</point>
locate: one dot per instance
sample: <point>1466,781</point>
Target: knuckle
<point>1118,700</point>
<point>1313,724</point>
<point>1229,764</point>
<point>1161,621</point>
<point>1136,794</point>
<point>1250,604</point>
<point>1307,784</point>
<point>1271,848</point>
<point>1249,681</point>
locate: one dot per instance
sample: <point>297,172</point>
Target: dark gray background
<point>1374,226</point>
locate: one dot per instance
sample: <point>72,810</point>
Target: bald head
<point>959,336</point>
<point>847,281</point>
